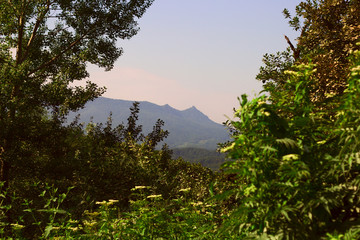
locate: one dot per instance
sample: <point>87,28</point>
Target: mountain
<point>188,128</point>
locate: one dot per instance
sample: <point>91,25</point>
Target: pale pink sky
<point>202,53</point>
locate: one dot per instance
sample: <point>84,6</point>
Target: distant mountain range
<point>188,128</point>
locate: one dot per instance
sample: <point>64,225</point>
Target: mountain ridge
<point>187,128</point>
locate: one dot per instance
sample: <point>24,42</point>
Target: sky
<point>202,53</point>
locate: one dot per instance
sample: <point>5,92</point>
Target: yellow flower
<point>261,102</point>
<point>89,224</point>
<point>185,189</point>
<point>74,229</point>
<point>197,204</point>
<point>226,149</point>
<point>290,157</point>
<point>17,226</point>
<point>291,73</point>
<point>101,203</point>
<point>92,214</point>
<point>155,196</point>
<point>139,187</point>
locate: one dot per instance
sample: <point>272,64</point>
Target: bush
<point>297,167</point>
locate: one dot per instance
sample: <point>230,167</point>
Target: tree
<point>329,30</point>
<point>297,150</point>
<point>44,46</point>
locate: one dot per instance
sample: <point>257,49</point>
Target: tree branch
<point>52,60</point>
<point>20,37</point>
<point>36,27</point>
<point>296,52</point>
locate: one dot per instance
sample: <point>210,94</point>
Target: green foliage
<point>150,216</point>
<point>153,217</point>
<point>120,157</point>
<point>297,149</point>
<point>297,168</point>
<point>329,30</point>
<point>295,152</point>
<point>275,65</point>
<point>37,218</point>
<point>44,47</point>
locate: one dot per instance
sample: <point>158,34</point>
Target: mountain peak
<point>167,106</point>
<point>169,109</point>
<point>188,127</point>
<point>191,109</point>
<point>194,113</point>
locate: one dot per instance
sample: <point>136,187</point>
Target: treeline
<point>207,158</point>
<point>295,150</point>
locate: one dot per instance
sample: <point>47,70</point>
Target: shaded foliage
<point>44,47</point>
<point>101,163</point>
<point>297,168</point>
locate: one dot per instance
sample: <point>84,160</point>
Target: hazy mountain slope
<point>188,128</point>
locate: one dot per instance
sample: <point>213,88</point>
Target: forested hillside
<point>207,158</point>
<point>294,149</point>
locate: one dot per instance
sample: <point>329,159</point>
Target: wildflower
<point>292,73</point>
<point>107,203</point>
<point>195,204</point>
<point>290,157</point>
<point>228,148</point>
<point>155,196</point>
<point>139,187</point>
<point>92,214</point>
<point>89,224</point>
<point>74,229</point>
<point>185,189</point>
<point>17,226</point>
<point>101,203</point>
<point>264,112</point>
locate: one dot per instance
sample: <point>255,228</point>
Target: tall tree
<point>44,46</point>
<point>329,31</point>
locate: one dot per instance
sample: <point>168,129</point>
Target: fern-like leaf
<point>288,143</point>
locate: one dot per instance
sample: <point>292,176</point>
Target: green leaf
<point>288,143</point>
<point>48,230</point>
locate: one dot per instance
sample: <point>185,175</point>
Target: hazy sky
<point>202,53</point>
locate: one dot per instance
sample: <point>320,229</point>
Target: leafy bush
<point>297,166</point>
